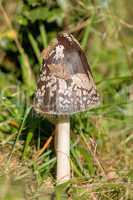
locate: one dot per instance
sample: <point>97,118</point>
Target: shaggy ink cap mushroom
<point>66,84</point>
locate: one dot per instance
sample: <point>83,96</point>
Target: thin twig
<point>27,73</point>
<point>94,155</point>
<point>45,146</point>
<point>8,21</point>
<point>115,19</point>
<point>79,26</point>
<point>130,26</point>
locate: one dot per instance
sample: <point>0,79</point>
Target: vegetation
<point>101,139</point>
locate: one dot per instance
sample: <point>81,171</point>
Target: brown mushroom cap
<point>65,85</point>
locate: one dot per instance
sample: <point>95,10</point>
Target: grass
<point>101,139</point>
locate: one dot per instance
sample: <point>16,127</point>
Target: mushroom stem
<point>63,150</point>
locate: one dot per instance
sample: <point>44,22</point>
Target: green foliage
<point>101,139</point>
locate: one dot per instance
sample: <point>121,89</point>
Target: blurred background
<point>101,139</point>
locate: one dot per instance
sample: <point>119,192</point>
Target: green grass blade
<point>19,132</point>
<point>87,32</point>
<point>75,169</point>
<point>77,161</point>
<point>49,163</point>
<point>35,47</point>
<point>27,74</point>
<point>43,35</point>
<point>26,147</point>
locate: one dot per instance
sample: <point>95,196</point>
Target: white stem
<point>63,150</point>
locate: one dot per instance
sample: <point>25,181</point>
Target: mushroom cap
<point>66,84</point>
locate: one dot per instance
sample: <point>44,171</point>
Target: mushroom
<point>65,86</point>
